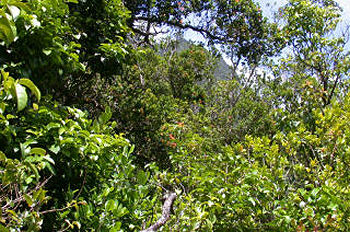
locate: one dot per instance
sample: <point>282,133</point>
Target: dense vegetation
<point>99,123</point>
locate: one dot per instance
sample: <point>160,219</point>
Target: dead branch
<point>165,214</point>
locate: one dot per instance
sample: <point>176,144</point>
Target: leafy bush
<point>295,181</point>
<point>60,169</point>
<point>258,152</point>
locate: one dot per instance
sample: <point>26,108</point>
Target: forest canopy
<point>103,127</point>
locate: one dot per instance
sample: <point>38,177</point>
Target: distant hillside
<point>222,72</point>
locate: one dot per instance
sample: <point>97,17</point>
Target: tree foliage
<point>97,127</point>
<point>238,26</point>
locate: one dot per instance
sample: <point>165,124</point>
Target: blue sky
<point>270,6</point>
<point>345,4</point>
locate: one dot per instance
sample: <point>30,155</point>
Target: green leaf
<point>72,1</point>
<point>24,149</point>
<point>142,177</point>
<point>5,75</point>
<point>110,204</point>
<point>37,151</point>
<point>30,85</point>
<point>105,117</point>
<point>2,107</point>
<point>35,107</point>
<point>28,180</point>
<point>77,224</point>
<point>4,229</point>
<point>121,211</point>
<point>47,51</point>
<point>21,96</point>
<point>8,30</point>
<point>252,201</point>
<point>35,170</point>
<point>12,212</point>
<point>51,169</point>
<point>2,156</point>
<point>28,199</point>
<point>64,214</point>
<point>52,125</point>
<point>116,227</point>
<point>48,158</point>
<point>55,148</point>
<point>14,11</point>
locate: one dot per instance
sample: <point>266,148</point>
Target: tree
<point>64,45</point>
<point>58,167</point>
<point>263,150</point>
<point>237,25</point>
<point>316,56</point>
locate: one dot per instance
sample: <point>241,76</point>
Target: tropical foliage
<point>100,124</point>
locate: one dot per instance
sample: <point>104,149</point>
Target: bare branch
<point>165,214</point>
<point>206,33</point>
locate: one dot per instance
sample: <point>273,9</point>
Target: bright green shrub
<point>295,181</point>
<point>60,169</point>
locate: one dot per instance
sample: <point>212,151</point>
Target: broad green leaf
<point>4,75</point>
<point>47,51</point>
<point>15,11</point>
<point>55,148</point>
<point>52,125</point>
<point>28,199</point>
<point>48,158</point>
<point>30,85</point>
<point>9,86</point>
<point>29,180</point>
<point>21,5</point>
<point>105,117</point>
<point>21,96</point>
<point>2,107</point>
<point>25,149</point>
<point>10,116</point>
<point>38,151</point>
<point>8,30</point>
<point>64,214</point>
<point>110,205</point>
<point>35,170</point>
<point>36,194</point>
<point>117,227</point>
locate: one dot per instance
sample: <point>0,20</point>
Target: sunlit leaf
<point>21,97</point>
<point>30,85</point>
<point>8,30</point>
<point>37,151</point>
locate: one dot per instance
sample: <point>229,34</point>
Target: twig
<point>82,185</point>
<point>20,198</point>
<point>56,210</point>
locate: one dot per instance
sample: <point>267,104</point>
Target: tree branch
<point>165,214</point>
<point>203,31</point>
